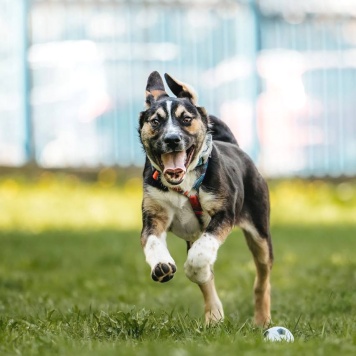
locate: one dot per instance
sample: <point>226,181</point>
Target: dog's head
<point>172,130</point>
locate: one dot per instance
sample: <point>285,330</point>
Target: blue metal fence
<point>313,93</point>
<point>283,80</point>
<point>109,50</point>
<point>13,83</point>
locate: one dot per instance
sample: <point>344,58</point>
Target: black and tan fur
<point>232,193</point>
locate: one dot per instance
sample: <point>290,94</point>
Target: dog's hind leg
<point>254,221</point>
<point>261,249</point>
<point>213,308</point>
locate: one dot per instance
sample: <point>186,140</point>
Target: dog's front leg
<point>200,261</point>
<point>153,241</point>
<point>157,256</point>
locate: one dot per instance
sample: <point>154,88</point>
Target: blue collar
<point>199,180</point>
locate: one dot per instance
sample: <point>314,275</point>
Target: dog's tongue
<point>174,161</point>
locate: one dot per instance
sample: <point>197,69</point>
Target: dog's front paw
<point>201,258</point>
<point>163,272</point>
<point>198,274</point>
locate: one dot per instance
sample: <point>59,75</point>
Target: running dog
<point>199,184</point>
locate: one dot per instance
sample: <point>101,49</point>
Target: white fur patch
<point>170,127</point>
<point>156,251</point>
<point>169,110</point>
<point>182,220</point>
<point>201,258</point>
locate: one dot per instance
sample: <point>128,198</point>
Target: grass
<point>73,280</point>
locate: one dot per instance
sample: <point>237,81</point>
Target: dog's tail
<point>220,131</point>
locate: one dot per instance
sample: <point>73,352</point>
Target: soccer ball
<point>278,333</point>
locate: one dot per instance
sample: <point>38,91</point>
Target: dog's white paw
<point>201,258</point>
<point>163,272</point>
<point>157,256</point>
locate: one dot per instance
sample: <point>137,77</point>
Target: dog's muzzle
<point>175,164</point>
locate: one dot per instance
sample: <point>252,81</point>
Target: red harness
<point>193,199</point>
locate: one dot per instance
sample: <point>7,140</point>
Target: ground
<point>73,279</point>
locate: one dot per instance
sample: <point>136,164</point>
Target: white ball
<point>278,333</point>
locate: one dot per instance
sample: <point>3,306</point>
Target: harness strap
<point>195,203</point>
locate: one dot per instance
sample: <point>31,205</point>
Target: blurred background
<point>281,73</point>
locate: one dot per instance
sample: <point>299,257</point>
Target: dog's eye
<point>154,122</point>
<point>187,120</point>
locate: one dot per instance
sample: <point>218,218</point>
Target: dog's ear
<point>154,89</point>
<point>204,115</point>
<point>181,90</point>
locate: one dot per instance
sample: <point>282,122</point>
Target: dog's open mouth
<point>175,165</point>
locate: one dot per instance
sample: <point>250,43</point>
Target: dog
<point>199,184</point>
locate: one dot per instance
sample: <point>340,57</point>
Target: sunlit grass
<point>64,202</point>
<point>52,201</point>
<point>313,202</point>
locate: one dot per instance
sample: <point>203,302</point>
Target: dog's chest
<point>183,222</point>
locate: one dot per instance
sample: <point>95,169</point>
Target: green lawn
<point>73,280</point>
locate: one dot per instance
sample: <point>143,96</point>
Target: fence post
<point>255,11</point>
<point>29,146</point>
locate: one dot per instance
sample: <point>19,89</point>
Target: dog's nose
<point>172,139</point>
